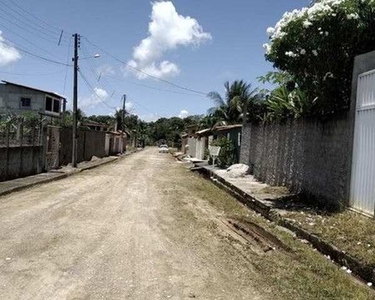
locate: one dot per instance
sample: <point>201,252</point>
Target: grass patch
<point>302,273</point>
<point>349,231</point>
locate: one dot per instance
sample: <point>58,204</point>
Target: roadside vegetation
<point>301,273</point>
<point>347,230</point>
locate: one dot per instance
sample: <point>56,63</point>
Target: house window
<point>48,104</point>
<point>56,106</point>
<point>25,102</point>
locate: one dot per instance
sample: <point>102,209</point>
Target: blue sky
<point>221,41</point>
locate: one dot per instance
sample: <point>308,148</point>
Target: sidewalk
<point>346,238</point>
<point>7,187</point>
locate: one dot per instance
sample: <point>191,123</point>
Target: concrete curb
<point>29,185</point>
<point>62,175</point>
<point>359,268</point>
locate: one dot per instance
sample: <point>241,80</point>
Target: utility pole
<point>123,112</point>
<point>75,100</point>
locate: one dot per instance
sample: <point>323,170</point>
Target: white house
<point>18,99</point>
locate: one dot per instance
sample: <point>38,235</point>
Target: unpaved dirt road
<point>147,228</point>
<point>117,232</point>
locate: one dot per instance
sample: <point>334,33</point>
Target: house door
<point>362,190</point>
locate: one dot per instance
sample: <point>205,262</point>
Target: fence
<point>90,143</point>
<point>306,155</point>
<point>21,149</point>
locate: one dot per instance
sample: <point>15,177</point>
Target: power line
<point>93,68</point>
<point>47,26</point>
<point>27,40</point>
<point>145,73</point>
<point>153,88</point>
<point>25,51</point>
<point>31,74</point>
<point>26,27</point>
<point>93,91</point>
<point>144,107</point>
<point>67,62</point>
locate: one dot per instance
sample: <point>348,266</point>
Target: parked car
<point>163,149</point>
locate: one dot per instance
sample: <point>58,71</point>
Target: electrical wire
<point>67,62</point>
<point>31,74</point>
<point>93,68</point>
<point>28,52</point>
<point>26,27</point>
<point>30,42</point>
<point>153,88</point>
<point>144,107</point>
<point>93,90</point>
<point>47,26</point>
<point>145,73</point>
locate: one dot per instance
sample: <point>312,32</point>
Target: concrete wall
<point>306,155</point>
<point>201,146</point>
<point>90,143</point>
<point>192,142</point>
<point>18,162</point>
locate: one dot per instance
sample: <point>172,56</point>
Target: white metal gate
<point>362,191</point>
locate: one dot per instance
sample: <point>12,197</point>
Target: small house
<point>116,142</point>
<point>18,99</point>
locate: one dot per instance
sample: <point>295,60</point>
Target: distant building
<point>97,126</point>
<point>18,99</point>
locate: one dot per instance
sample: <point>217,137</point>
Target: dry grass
<point>349,231</point>
<point>302,274</point>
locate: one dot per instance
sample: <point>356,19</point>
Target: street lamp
<point>97,55</point>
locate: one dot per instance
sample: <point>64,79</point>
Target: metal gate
<point>362,190</point>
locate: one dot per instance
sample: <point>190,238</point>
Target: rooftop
<point>34,89</point>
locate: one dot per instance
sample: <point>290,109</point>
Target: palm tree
<point>238,98</point>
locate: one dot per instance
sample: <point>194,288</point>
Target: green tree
<point>317,46</point>
<point>239,97</point>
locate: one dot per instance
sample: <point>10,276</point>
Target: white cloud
<point>151,117</point>
<point>94,99</point>
<point>129,107</point>
<point>8,54</point>
<point>105,70</point>
<point>167,31</point>
<point>183,114</point>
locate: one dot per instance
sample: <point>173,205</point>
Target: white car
<point>163,149</point>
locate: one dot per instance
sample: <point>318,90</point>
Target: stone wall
<point>307,155</point>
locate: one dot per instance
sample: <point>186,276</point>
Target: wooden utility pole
<point>75,101</point>
<point>123,112</point>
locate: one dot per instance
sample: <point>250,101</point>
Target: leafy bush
<point>226,156</point>
<point>317,46</point>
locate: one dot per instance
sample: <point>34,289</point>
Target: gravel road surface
<point>122,231</point>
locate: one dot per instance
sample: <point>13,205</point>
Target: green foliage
<point>104,119</point>
<point>285,104</point>
<point>230,108</point>
<point>317,46</point>
<point>226,156</point>
<point>275,77</point>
